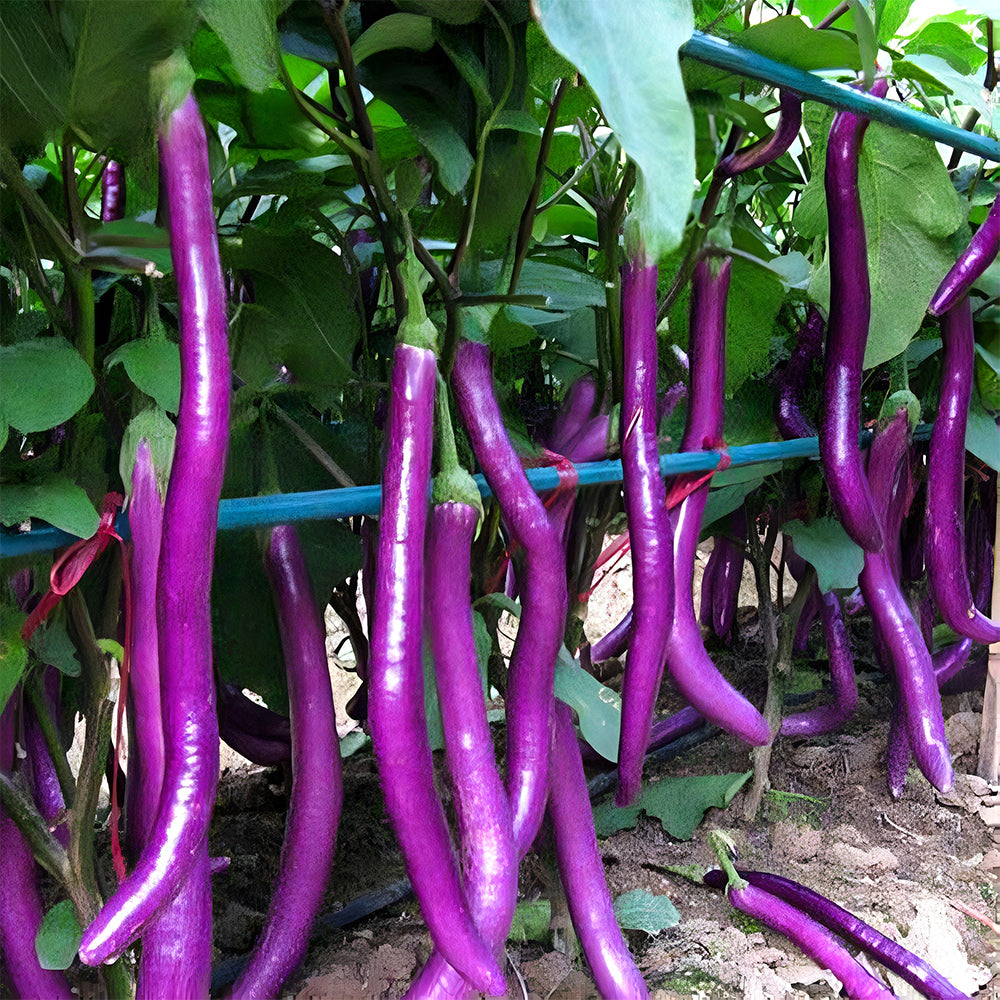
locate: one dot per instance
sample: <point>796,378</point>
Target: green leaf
<point>678,803</point>
<point>910,239</point>
<point>135,239</point>
<point>864,26</point>
<point>113,98</point>
<point>13,653</point>
<point>34,74</point>
<point>395,31</point>
<point>824,543</point>
<point>982,434</point>
<point>45,381</point>
<point>598,708</point>
<point>754,300</point>
<point>516,121</point>
<point>111,648</point>
<point>447,11</point>
<point>248,29</point>
<point>58,937</point>
<point>681,803</point>
<point>54,499</point>
<point>532,918</point>
<point>565,289</point>
<point>641,910</point>
<point>786,39</point>
<point>154,366</point>
<point>727,499</point>
<point>627,52</point>
<point>949,42</point>
<point>891,15</point>
<point>303,326</point>
<point>51,643</point>
<point>609,819</point>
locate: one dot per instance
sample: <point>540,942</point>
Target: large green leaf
<point>678,803</point>
<point>35,75</point>
<point>154,365</point>
<point>45,381</point>
<point>116,44</point>
<point>248,28</point>
<point>824,543</point>
<point>912,216</point>
<point>598,708</point>
<point>755,296</point>
<point>54,499</point>
<point>950,42</point>
<point>628,53</point>
<point>395,31</point>
<point>58,937</point>
<point>641,910</point>
<point>302,327</point>
<point>786,39</point>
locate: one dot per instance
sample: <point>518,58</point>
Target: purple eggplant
<point>766,151</point>
<point>582,870</point>
<point>489,859</point>
<point>852,929</point>
<point>847,331</point>
<point>542,582</point>
<point>395,683</point>
<point>317,785</point>
<point>944,524</point>
<point>693,672</point>
<point>789,418</point>
<point>650,532</point>
<point>978,255</point>
<point>178,838</point>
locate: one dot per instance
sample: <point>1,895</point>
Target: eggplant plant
<point>256,256</point>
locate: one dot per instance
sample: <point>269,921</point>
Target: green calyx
<point>453,483</point>
<point>725,851</point>
<point>417,329</point>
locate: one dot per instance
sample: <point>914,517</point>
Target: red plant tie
<point>73,563</point>
<point>66,573</point>
<point>683,486</point>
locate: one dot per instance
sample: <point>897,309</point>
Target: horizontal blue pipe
<point>321,505</point>
<point>350,501</point>
<point>724,55</point>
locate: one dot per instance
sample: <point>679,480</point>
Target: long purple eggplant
<point>944,524</point>
<point>20,900</point>
<point>894,621</point>
<point>396,687</point>
<point>256,732</point>
<point>789,418</point>
<point>696,677</point>
<point>486,831</point>
<point>650,532</point>
<point>317,784</point>
<point>729,574</point>
<point>112,192</point>
<point>921,976</point>
<point>582,870</point>
<point>847,331</point>
<point>178,838</point>
<point>843,680</point>
<point>815,940</point>
<point>767,150</point>
<point>977,256</point>
<point>176,945</point>
<point>531,672</point>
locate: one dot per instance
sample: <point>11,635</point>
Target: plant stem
<point>528,215</point>
<point>310,444</point>
<point>50,733</point>
<point>48,852</point>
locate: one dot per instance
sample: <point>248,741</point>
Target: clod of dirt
<point>800,843</point>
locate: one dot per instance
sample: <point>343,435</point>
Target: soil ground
<point>923,868</point>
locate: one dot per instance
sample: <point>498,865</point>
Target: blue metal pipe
<point>724,55</point>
